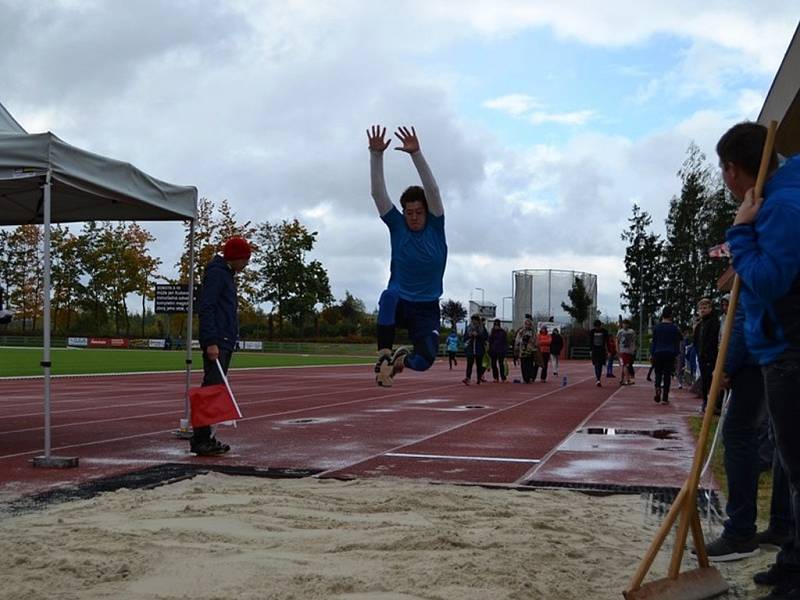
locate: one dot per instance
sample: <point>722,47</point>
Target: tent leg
<point>184,430</point>
<point>48,460</point>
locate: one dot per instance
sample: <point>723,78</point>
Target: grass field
<point>15,362</point>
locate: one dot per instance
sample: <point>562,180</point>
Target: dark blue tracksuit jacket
<point>219,320</point>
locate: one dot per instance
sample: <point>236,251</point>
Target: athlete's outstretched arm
<point>376,147</point>
<point>411,145</point>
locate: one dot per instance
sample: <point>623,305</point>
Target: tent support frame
<point>47,459</point>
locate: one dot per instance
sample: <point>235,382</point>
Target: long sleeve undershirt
<point>382,201</point>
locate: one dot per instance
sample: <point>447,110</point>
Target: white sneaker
<point>383,368</point>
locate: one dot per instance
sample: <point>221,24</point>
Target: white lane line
<point>446,457</point>
<point>449,429</point>
<point>254,418</point>
<point>183,371</point>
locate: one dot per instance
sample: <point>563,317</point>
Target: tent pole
<point>47,460</point>
<point>189,316</point>
<point>46,316</point>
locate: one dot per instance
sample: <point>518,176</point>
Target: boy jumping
<point>419,255</point>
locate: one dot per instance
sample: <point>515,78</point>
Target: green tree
<point>453,311</point>
<point>644,267</point>
<point>25,293</point>
<point>581,302</point>
<point>685,276</point>
<point>292,285</point>
<point>66,272</point>
<point>206,242</point>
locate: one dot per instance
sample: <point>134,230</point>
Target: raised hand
<point>375,136</point>
<point>408,139</point>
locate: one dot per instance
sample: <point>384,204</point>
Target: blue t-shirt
<point>418,257</point>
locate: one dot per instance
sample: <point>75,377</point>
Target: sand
<point>220,537</point>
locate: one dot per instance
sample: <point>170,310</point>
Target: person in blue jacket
<point>419,255</point>
<point>747,410</point>
<point>765,245</point>
<point>452,348</point>
<point>219,328</point>
<point>664,350</point>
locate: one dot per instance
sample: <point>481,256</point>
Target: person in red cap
<point>219,327</point>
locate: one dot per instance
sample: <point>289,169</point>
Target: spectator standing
<point>543,342</point>
<point>598,343</point>
<point>525,350</point>
<point>706,342</point>
<point>664,348</point>
<point>626,344</point>
<point>474,347</point>
<point>498,344</point>
<point>556,346</point>
<point>747,411</point>
<point>766,256</point>
<point>612,356</point>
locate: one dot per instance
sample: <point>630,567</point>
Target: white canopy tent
<point>45,180</point>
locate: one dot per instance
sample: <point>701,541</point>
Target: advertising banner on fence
<point>98,342</point>
<point>252,345</point>
<point>118,342</point>
<point>156,343</point>
<point>78,342</point>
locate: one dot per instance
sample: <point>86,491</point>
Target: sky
<point>543,122</point>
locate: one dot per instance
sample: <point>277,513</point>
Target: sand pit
<point>220,537</point>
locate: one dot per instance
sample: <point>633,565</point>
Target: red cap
<point>236,248</point>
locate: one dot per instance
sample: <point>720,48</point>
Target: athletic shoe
<point>465,381</point>
<point>680,386</point>
<point>664,401</point>
<point>555,372</point>
<point>220,445</point>
<point>770,537</point>
<point>611,375</point>
<point>384,356</point>
<point>208,448</point>
<point>725,549</point>
<point>657,397</point>
<point>775,575</point>
<point>398,356</point>
<point>598,384</point>
<point>383,368</point>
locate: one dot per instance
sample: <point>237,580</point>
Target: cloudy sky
<point>543,121</point>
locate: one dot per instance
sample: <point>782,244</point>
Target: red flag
<point>212,404</point>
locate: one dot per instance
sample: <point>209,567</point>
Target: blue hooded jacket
<point>219,321</point>
<point>766,255</point>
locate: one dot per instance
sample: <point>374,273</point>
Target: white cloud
<point>514,104</point>
<point>266,103</point>
<point>577,117</point>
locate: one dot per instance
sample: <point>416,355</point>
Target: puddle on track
<point>659,434</point>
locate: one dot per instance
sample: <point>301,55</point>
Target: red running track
<point>335,421</point>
